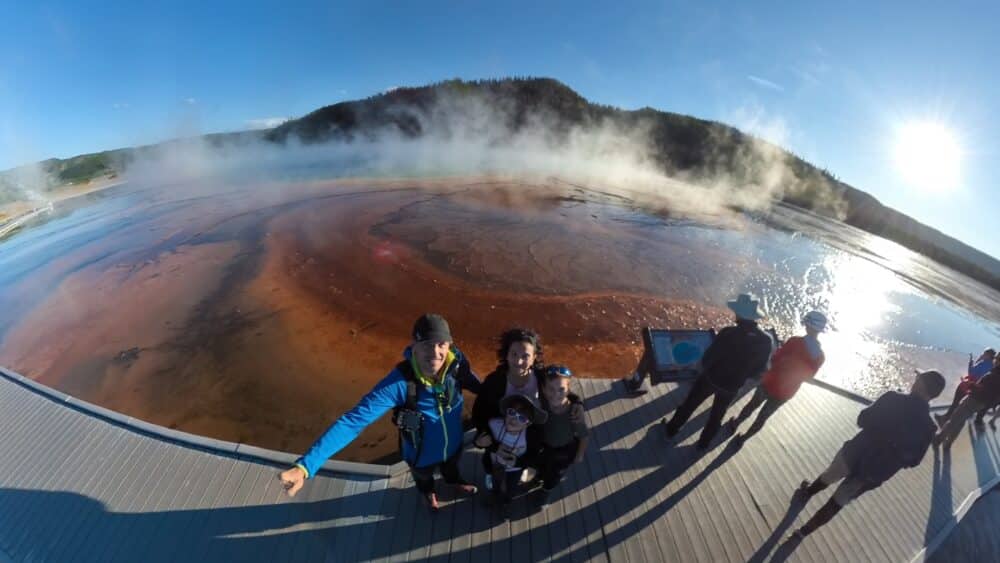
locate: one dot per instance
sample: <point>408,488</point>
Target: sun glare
<point>928,156</point>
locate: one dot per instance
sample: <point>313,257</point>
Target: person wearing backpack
<point>425,393</point>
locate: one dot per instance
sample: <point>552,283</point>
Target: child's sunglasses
<point>518,416</point>
<point>561,371</point>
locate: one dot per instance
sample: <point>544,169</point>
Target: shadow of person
<point>786,549</point>
<point>794,509</point>
<point>67,526</point>
<point>942,515</point>
<point>613,506</point>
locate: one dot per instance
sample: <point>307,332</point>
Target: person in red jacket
<point>797,360</point>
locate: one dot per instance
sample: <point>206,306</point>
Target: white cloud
<point>391,89</point>
<point>765,83</point>
<point>342,92</point>
<point>120,105</point>
<point>266,122</point>
<point>190,101</point>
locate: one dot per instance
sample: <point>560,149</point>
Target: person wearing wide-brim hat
<point>738,353</point>
<point>798,359</point>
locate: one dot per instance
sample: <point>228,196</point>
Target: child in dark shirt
<point>563,439</point>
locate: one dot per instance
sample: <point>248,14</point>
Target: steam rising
<point>472,134</point>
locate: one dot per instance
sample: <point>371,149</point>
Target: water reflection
<point>857,295</point>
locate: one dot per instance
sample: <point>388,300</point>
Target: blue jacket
<point>441,428</point>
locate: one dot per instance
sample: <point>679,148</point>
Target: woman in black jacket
<point>519,371</point>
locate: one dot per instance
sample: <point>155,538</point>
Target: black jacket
<point>738,353</point>
<point>487,403</point>
<point>896,431</point>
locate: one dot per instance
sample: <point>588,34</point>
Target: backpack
<point>408,418</point>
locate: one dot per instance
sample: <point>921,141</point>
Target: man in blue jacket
<point>425,390</point>
<point>896,431</point>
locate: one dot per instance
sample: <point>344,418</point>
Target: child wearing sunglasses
<point>511,444</point>
<point>563,437</point>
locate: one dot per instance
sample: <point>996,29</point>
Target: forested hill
<point>696,149</point>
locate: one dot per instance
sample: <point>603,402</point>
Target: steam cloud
<point>473,135</point>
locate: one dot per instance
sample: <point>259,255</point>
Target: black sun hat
<point>431,327</point>
<point>523,403</point>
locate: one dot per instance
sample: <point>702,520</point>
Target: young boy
<point>563,439</point>
<point>896,431</point>
<point>509,445</point>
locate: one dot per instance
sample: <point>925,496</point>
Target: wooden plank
<point>138,542</point>
<point>196,528</point>
<point>409,506</point>
<point>84,481</point>
<point>208,472</point>
<point>464,509</point>
<point>319,507</point>
<point>617,500</point>
<point>439,538</point>
<point>479,542</point>
<point>24,474</point>
<point>370,518</point>
<point>47,478</point>
<point>391,507</point>
<point>242,520</point>
<point>638,476</point>
<point>133,490</point>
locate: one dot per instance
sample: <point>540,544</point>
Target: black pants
<point>760,397</point>
<point>424,476</point>
<point>504,482</point>
<point>960,394</point>
<point>701,390</point>
<point>554,462</point>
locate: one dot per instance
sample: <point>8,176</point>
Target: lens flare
<point>928,156</point>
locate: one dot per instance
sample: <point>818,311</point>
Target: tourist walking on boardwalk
<point>795,361</point>
<point>563,438</point>
<point>984,394</point>
<point>974,373</point>
<point>896,431</point>
<point>512,442</point>
<point>425,389</point>
<point>738,353</point>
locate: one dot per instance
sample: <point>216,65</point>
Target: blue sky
<point>833,82</point>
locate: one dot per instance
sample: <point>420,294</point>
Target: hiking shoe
<point>632,383</point>
<point>464,488</point>
<point>432,502</point>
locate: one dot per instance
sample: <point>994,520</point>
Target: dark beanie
<point>431,327</point>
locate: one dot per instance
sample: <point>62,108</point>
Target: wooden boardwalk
<point>78,483</point>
